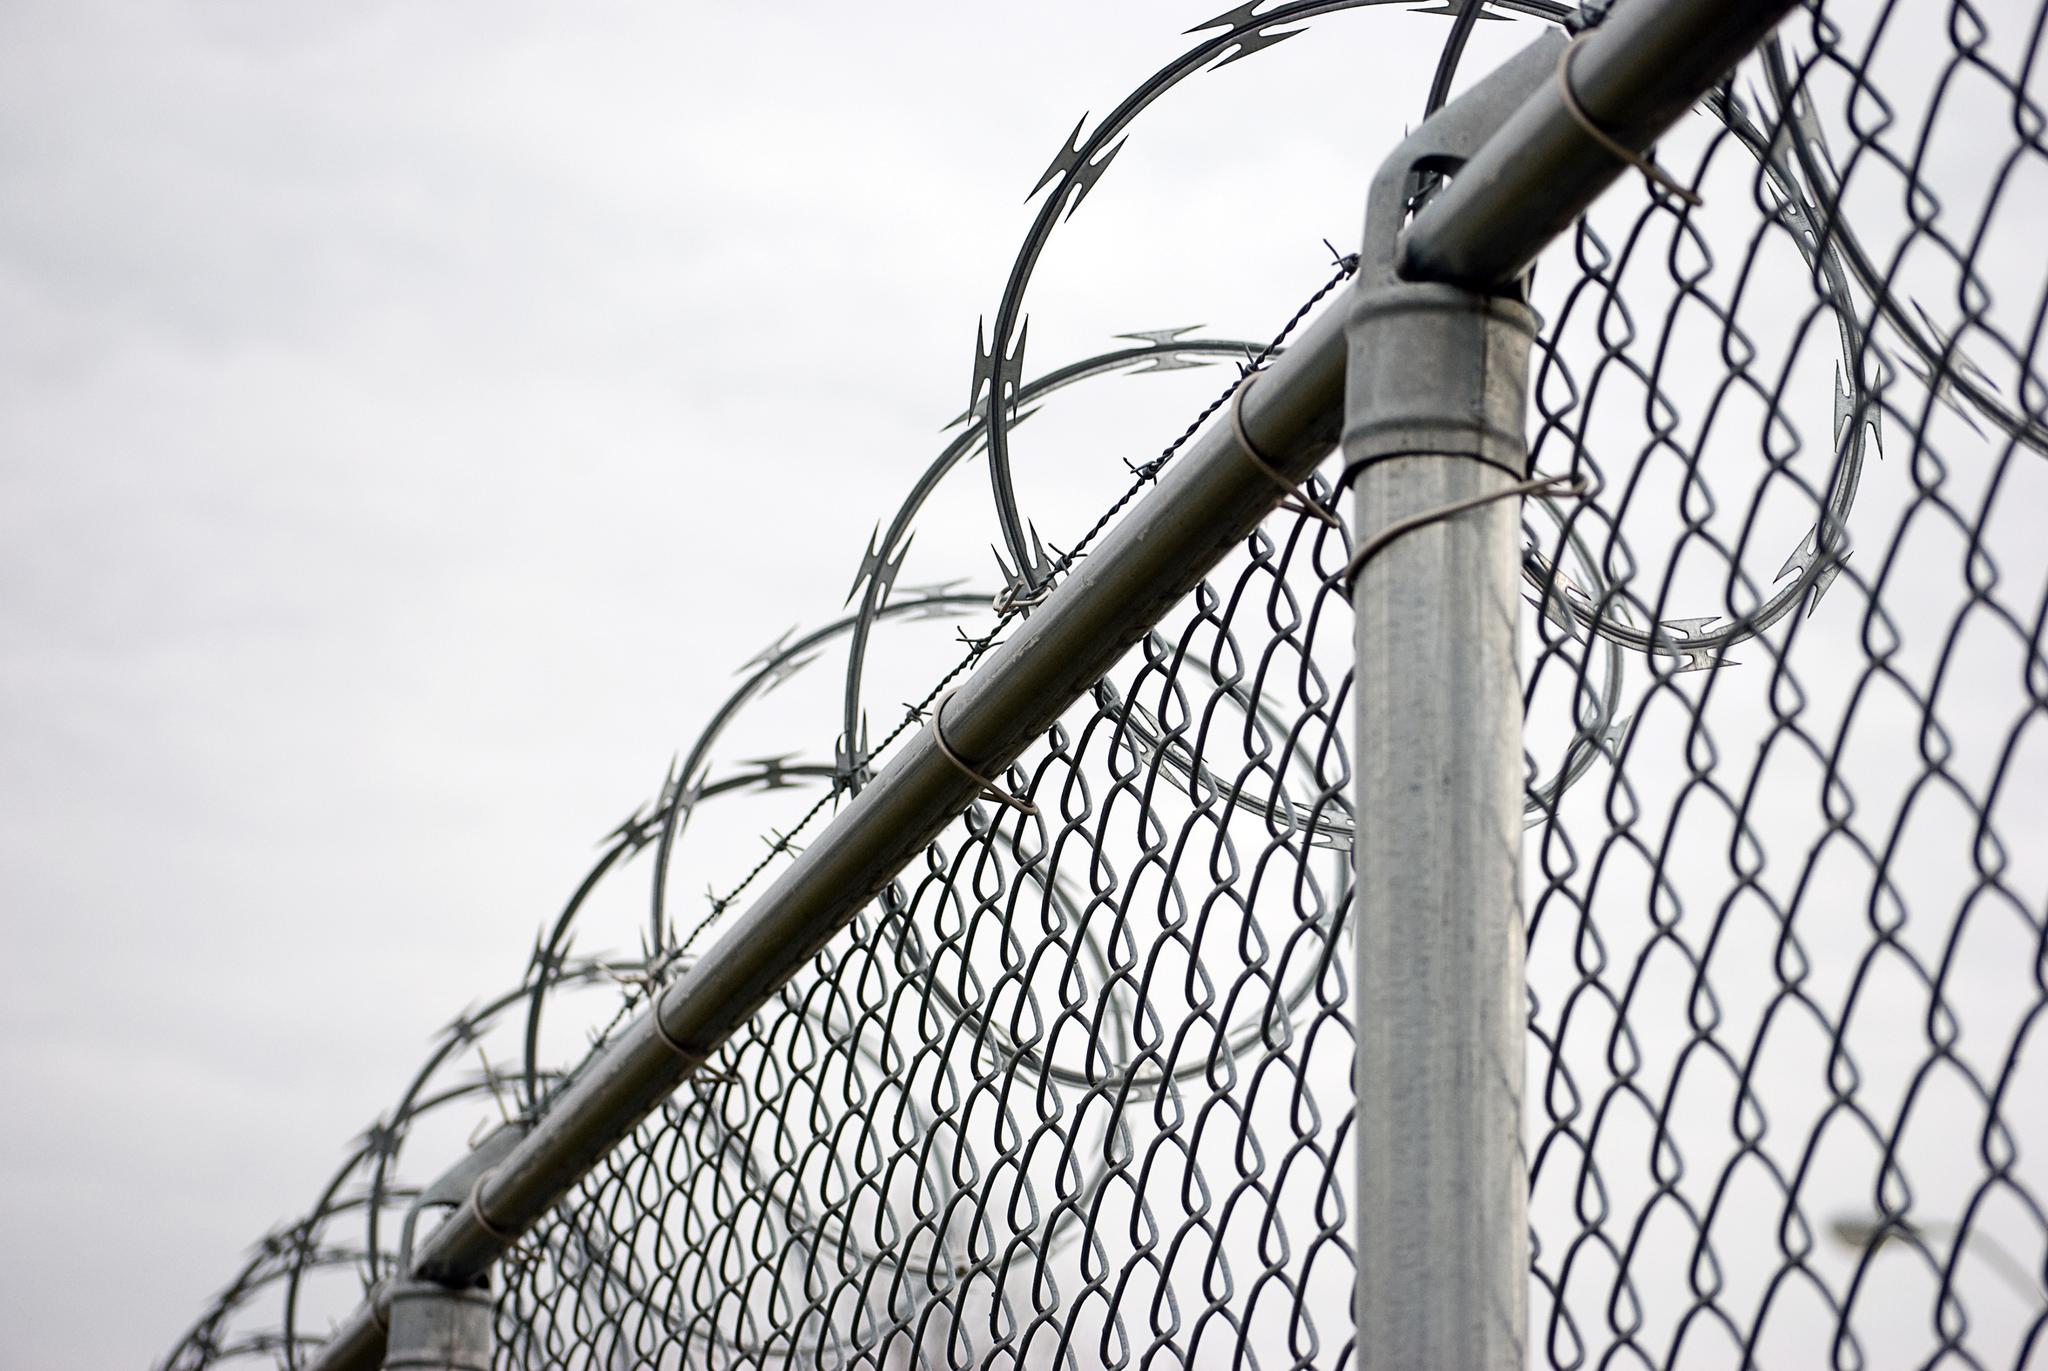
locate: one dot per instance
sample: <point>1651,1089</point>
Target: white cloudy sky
<point>409,415</point>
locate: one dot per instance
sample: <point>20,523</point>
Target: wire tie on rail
<point>1648,168</point>
<point>989,789</point>
<point>475,1205</point>
<point>1296,502</point>
<point>1010,597</point>
<point>1571,483</point>
<point>690,1056</point>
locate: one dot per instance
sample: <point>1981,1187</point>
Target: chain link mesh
<point>1076,1092</point>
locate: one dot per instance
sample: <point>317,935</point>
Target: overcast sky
<point>409,417</point>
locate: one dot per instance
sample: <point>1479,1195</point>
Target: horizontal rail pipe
<point>1206,502</point>
<point>1631,77</point>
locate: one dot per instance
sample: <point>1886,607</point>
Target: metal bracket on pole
<point>1434,444</point>
<point>1629,77</point>
<point>433,1328</point>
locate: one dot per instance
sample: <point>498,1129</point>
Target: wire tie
<point>689,1055</point>
<point>989,789</point>
<point>1295,503</point>
<point>1008,598</point>
<point>1655,173</point>
<point>476,1210</point>
<point>1571,483</point>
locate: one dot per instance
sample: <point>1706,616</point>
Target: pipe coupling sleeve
<point>434,1328</point>
<point>1437,371</point>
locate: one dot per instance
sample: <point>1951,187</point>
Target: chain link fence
<point>1076,1091</point>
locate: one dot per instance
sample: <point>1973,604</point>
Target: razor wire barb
<point>1075,1091</point>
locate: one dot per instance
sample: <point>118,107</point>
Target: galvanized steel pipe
<point>1207,500</point>
<point>1632,76</point>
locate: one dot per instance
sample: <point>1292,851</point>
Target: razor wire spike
<point>1169,361</point>
<point>881,568</point>
<point>1845,407</point>
<point>1084,176</point>
<point>982,360</point>
<point>1069,157</point>
<point>850,761</point>
<point>767,655</point>
<point>1552,605</point>
<point>1448,10</point>
<point>976,410</point>
<point>381,1139</point>
<point>632,830</point>
<point>1253,39</point>
<point>1166,358</point>
<point>1802,556</point>
<point>1256,41</point>
<point>1041,565</point>
<point>1939,376</point>
<point>1690,630</point>
<point>990,381</point>
<point>782,669</point>
<point>869,562</point>
<point>1824,580</point>
<point>774,771</point>
<point>1159,337</point>
<point>1231,18</point>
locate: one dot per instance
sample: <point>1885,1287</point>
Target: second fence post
<point>1435,451</point>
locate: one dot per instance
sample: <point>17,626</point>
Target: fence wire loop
<point>1642,162</point>
<point>475,1203</point>
<point>1567,483</point>
<point>989,789</point>
<point>1297,501</point>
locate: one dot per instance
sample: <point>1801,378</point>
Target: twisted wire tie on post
<point>989,789</point>
<point>1571,484</point>
<point>1297,502</point>
<point>1577,111</point>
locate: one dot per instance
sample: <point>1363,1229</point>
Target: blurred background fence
<point>1076,1089</point>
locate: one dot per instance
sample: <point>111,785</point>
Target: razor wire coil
<point>1076,1090</point>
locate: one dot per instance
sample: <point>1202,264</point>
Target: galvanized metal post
<point>434,1328</point>
<point>1435,447</point>
<point>1433,418</point>
<point>1443,1251</point>
<point>1433,444</point>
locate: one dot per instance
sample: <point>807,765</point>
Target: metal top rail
<point>1634,75</point>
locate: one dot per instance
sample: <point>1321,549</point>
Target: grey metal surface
<point>1204,504</point>
<point>434,1328</point>
<point>1434,418</point>
<point>1633,74</point>
<point>1442,1212</point>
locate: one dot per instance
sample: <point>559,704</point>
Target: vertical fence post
<point>1443,1255</point>
<point>1434,447</point>
<point>434,1328</point>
